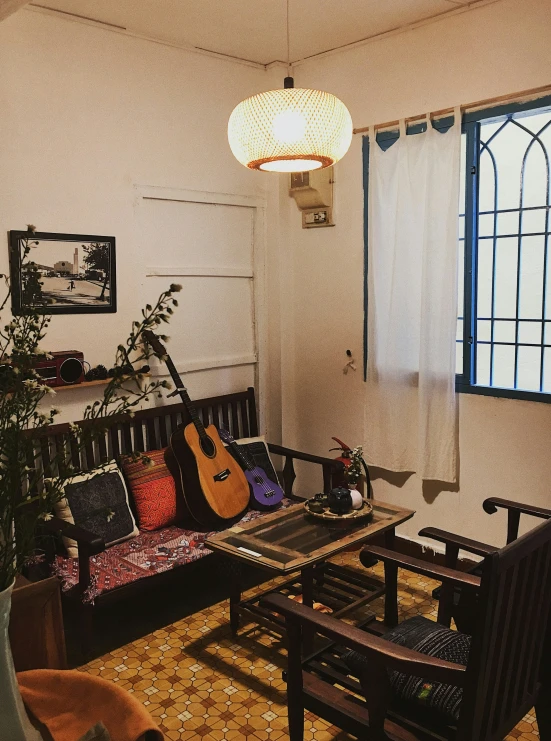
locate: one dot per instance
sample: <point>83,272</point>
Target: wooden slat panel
<point>126,438</point>
<point>114,441</point>
<point>163,433</point>
<point>253,418</point>
<point>45,456</point>
<point>75,453</point>
<point>152,439</point>
<point>90,455</point>
<point>225,417</point>
<point>244,419</point>
<point>235,431</point>
<point>102,445</point>
<point>139,444</point>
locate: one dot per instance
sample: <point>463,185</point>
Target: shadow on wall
<point>430,489</point>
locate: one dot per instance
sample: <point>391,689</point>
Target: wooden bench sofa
<point>100,575</point>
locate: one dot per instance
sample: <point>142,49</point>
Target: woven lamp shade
<point>290,130</point>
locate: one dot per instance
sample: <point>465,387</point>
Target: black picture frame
<point>57,288</point>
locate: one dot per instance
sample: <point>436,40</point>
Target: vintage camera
<point>339,501</point>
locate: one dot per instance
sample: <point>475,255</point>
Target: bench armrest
<point>88,545</point>
<point>92,543</point>
<point>514,511</point>
<point>433,571</point>
<point>332,469</point>
<point>465,544</point>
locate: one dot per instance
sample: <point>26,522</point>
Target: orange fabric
<point>69,703</point>
<point>153,490</point>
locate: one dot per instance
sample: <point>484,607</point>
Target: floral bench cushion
<point>147,554</point>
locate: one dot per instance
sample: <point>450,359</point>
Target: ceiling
<point>254,30</point>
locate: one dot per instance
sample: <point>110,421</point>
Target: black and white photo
<point>62,273</point>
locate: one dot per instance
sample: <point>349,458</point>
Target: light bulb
<point>289,126</point>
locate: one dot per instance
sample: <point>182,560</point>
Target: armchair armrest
<point>331,468</point>
<point>440,573</point>
<point>491,505</point>
<point>465,544</point>
<point>379,651</point>
<point>514,511</point>
<point>92,543</point>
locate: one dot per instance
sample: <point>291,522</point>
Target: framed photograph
<point>63,273</point>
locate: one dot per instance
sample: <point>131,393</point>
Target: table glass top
<point>292,536</point>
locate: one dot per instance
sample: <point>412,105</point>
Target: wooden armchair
<point>455,603</point>
<point>473,688</point>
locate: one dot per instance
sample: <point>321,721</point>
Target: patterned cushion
<point>97,501</point>
<point>431,639</point>
<point>146,555</point>
<point>153,490</point>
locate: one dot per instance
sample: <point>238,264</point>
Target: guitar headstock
<point>225,436</point>
<point>155,342</point>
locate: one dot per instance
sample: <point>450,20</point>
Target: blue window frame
<point>504,323</point>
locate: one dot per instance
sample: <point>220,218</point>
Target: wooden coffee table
<point>290,541</point>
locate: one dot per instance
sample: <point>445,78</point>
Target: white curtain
<point>411,415</point>
<point>7,7</point>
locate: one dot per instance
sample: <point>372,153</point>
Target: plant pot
<point>14,722</point>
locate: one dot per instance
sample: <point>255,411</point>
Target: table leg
<point>391,584</point>
<point>307,581</point>
<point>236,573</point>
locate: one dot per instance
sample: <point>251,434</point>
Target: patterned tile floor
<point>200,683</point>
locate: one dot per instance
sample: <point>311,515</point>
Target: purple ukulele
<point>264,493</point>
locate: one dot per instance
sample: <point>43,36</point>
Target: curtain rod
<point>536,91</point>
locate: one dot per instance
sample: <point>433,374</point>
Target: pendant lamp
<point>290,129</point>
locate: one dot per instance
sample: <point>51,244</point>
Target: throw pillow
<point>153,490</point>
<point>432,639</point>
<point>97,501</point>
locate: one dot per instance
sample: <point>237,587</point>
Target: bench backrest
<point>148,429</point>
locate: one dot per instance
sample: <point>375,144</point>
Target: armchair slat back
<point>510,642</point>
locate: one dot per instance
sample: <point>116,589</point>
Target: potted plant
<point>356,468</point>
<point>26,498</point>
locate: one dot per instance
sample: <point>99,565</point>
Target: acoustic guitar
<point>265,494</point>
<point>210,480</point>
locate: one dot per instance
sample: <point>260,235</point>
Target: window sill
<point>500,393</point>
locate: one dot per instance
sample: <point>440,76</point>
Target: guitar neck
<point>181,389</point>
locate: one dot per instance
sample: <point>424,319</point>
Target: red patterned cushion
<point>153,490</point>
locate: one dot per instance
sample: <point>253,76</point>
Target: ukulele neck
<point>244,458</point>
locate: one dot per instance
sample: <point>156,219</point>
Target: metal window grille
<point>504,332</point>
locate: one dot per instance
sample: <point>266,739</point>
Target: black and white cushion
<point>431,639</point>
<point>97,501</point>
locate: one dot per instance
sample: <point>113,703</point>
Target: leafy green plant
<point>357,466</point>
<point>27,496</point>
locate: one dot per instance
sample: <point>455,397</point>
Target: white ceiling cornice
<point>101,14</point>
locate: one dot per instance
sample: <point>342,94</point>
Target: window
<point>504,327</point>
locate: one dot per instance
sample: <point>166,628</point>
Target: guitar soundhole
<point>207,446</point>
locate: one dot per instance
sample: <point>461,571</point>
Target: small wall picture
<point>62,273</point>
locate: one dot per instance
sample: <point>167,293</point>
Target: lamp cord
<point>288,44</point>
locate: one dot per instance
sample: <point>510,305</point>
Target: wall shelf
<point>89,384</point>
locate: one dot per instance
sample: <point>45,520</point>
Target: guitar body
<point>264,493</point>
<point>213,485</point>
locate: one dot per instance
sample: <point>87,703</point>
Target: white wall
<point>504,444</point>
<point>87,113</point>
